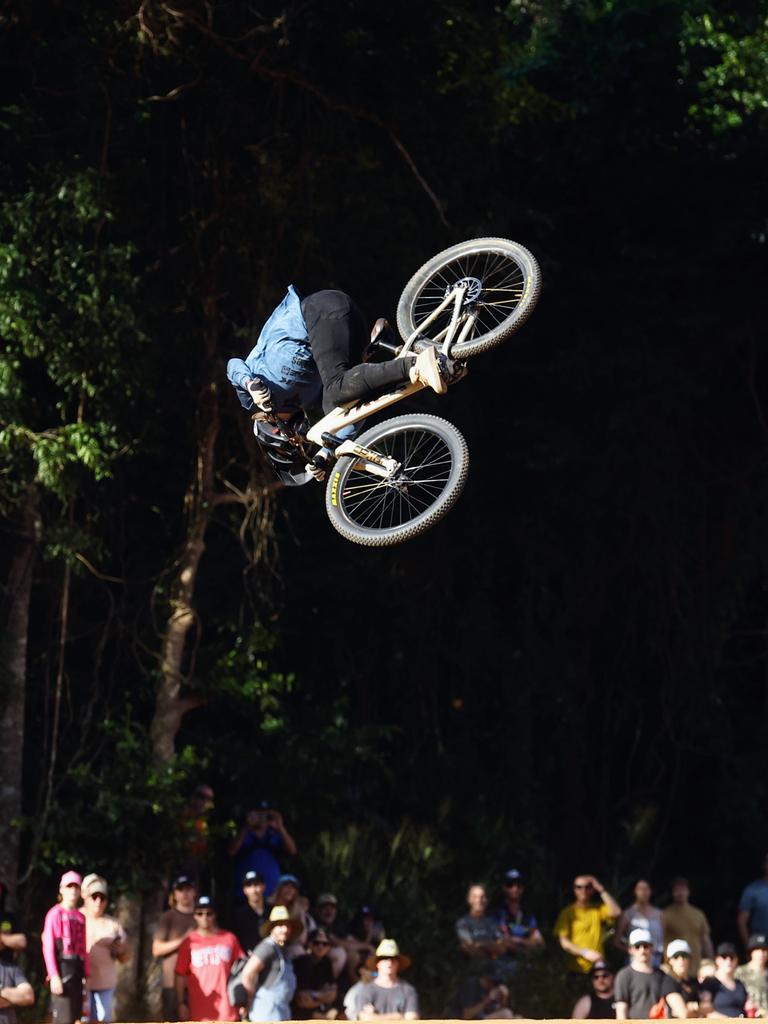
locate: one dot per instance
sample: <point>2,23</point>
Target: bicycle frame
<point>343,416</point>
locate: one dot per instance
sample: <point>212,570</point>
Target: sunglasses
<point>602,976</point>
<point>203,913</point>
<point>642,945</point>
<point>98,896</point>
<point>580,886</point>
<point>319,942</point>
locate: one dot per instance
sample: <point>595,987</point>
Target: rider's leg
<point>337,337</point>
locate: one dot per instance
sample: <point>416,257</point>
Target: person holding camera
<point>262,838</point>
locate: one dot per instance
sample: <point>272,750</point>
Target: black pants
<point>68,1007</point>
<point>337,337</point>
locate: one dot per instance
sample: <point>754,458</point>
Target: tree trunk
<point>13,678</point>
<point>200,500</point>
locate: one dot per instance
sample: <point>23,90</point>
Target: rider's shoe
<point>436,370</point>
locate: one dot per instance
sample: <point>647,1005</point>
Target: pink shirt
<point>63,935</point>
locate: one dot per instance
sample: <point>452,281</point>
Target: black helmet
<point>275,439</point>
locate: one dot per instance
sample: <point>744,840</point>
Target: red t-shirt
<point>206,960</point>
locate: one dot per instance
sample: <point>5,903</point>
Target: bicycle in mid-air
<point>401,476</point>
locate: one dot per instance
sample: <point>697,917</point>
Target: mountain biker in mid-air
<point>314,351</point>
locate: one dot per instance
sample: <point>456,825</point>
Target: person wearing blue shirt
<point>752,916</point>
<point>312,352</point>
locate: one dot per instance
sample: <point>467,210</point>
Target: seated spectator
<point>364,934</point>
<point>679,988</point>
<point>15,991</point>
<point>387,995</point>
<point>706,969</point>
<point>248,917</point>
<point>638,985</point>
<point>261,840</point>
<point>681,920</point>
<point>172,928</point>
<point>483,996</point>
<point>327,917</point>
<point>107,946</point>
<point>479,934</point>
<point>753,974</point>
<point>727,995</point>
<point>316,988</point>
<point>519,928</point>
<point>269,972</point>
<point>641,914</point>
<point>580,927</point>
<point>205,960</point>
<point>288,894</point>
<point>599,1003</point>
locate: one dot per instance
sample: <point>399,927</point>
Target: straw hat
<point>388,949</point>
<point>280,915</point>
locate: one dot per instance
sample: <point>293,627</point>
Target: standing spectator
<point>642,914</point>
<point>683,921</point>
<point>316,988</point>
<point>482,996</point>
<point>479,934</point>
<point>12,941</point>
<point>364,935</point>
<point>196,829</point>
<point>680,989</point>
<point>753,974</point>
<point>519,928</point>
<point>203,966</point>
<point>249,917</point>
<point>638,985</point>
<point>386,995</point>
<point>262,838</point>
<point>268,977</point>
<point>172,928</point>
<point>752,915</point>
<point>64,951</point>
<point>327,917</point>
<point>599,1004</point>
<point>107,946</point>
<point>15,991</point>
<point>288,894</point>
<point>727,994</point>
<point>580,927</point>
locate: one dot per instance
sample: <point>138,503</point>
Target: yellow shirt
<point>584,927</point>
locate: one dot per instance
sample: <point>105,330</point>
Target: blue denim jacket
<point>283,359</point>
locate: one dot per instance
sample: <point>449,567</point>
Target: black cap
<point>512,875</point>
<point>600,965</point>
<point>204,903</point>
<point>181,881</point>
<point>757,942</point>
<point>726,949</point>
<point>252,876</point>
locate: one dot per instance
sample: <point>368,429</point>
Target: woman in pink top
<point>64,951</point>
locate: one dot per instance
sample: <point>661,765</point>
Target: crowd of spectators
<point>264,952</point>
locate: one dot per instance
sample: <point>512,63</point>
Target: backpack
<point>236,993</point>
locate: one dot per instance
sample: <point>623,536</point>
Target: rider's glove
<point>318,469</point>
<point>260,393</point>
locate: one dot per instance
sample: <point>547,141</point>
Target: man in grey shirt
<point>638,986</point>
<point>15,991</point>
<point>386,995</point>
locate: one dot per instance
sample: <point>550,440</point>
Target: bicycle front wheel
<point>503,281</point>
<point>433,465</point>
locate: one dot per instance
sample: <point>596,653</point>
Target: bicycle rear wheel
<point>503,283</point>
<point>434,462</point>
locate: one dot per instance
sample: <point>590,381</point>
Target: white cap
<point>640,935</point>
<point>676,947</point>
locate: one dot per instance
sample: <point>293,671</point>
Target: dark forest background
<point>568,673</point>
